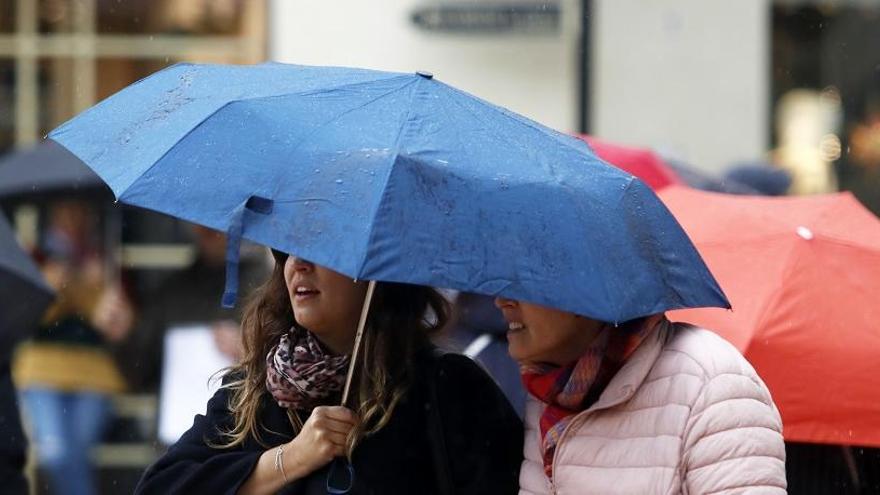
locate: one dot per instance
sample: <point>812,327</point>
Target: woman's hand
<point>321,439</point>
<point>113,315</point>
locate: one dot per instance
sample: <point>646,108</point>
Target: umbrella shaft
<point>365,311</point>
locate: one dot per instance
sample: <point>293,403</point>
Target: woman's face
<point>325,302</point>
<point>538,334</point>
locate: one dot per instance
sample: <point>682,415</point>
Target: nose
<point>302,265</point>
<point>503,302</point>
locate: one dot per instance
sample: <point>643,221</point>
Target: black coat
<point>482,435</point>
<point>13,445</point>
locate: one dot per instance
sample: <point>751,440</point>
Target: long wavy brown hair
<point>401,319</point>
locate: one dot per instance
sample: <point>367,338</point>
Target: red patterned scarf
<point>568,390</point>
<point>301,374</point>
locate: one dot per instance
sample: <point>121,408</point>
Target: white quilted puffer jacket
<point>686,414</point>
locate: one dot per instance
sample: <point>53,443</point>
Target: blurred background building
<point>710,82</point>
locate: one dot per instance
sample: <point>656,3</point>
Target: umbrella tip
<point>425,74</point>
<point>805,232</point>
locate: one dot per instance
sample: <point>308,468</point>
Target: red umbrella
<point>803,276</point>
<point>643,163</point>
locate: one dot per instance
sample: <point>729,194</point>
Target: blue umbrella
<point>393,177</point>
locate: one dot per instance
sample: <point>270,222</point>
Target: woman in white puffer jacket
<point>647,407</point>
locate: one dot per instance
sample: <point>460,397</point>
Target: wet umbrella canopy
<point>803,274</point>
<point>393,177</point>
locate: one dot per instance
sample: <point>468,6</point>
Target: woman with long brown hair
<point>419,421</point>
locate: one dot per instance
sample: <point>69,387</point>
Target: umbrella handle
<point>365,312</point>
<point>330,475</point>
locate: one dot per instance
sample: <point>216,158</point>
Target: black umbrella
<point>24,294</point>
<point>46,169</point>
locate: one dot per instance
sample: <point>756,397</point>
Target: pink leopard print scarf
<point>301,374</point>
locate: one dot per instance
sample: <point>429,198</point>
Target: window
<point>68,54</point>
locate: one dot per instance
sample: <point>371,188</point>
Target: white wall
<point>689,76</point>
<point>535,75</point>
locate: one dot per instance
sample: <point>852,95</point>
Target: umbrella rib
<point>375,213</point>
<point>489,128</point>
<point>335,88</point>
<point>653,252</point>
<point>764,313</point>
<point>231,102</point>
<point>334,119</point>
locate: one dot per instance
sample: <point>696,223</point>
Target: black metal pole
<point>583,51</point>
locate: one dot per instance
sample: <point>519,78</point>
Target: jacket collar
<point>634,371</point>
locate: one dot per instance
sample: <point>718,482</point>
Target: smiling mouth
<point>515,326</point>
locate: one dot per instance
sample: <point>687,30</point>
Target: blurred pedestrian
<point>644,407</point>
<point>422,422</point>
<point>65,373</point>
<point>188,297</point>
